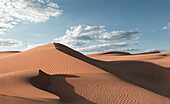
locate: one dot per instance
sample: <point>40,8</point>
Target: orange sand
<point>69,77</point>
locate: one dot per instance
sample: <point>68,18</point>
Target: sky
<point>88,26</point>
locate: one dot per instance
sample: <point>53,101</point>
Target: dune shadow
<point>147,75</point>
<point>57,84</point>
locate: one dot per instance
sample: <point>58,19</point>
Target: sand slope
<point>67,76</point>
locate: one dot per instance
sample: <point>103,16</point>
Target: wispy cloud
<point>9,43</point>
<point>128,49</point>
<point>30,46</point>
<point>154,30</point>
<point>161,50</point>
<point>14,11</point>
<point>81,35</point>
<point>108,47</point>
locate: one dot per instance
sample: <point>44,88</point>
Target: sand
<point>56,74</point>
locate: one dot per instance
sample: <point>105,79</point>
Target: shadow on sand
<point>57,84</point>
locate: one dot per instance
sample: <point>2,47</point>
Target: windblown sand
<point>56,74</point>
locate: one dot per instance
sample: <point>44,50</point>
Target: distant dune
<point>116,53</point>
<point>10,52</point>
<point>57,74</point>
<point>5,53</point>
<point>152,52</point>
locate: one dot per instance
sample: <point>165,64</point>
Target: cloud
<point>14,11</point>
<point>167,27</point>
<point>81,35</point>
<point>161,50</point>
<point>30,46</point>
<point>128,49</point>
<point>108,47</point>
<point>153,30</point>
<point>164,28</point>
<point>8,43</point>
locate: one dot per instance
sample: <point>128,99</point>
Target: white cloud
<point>128,49</point>
<point>167,27</point>
<point>30,46</point>
<point>108,47</point>
<point>81,35</point>
<point>161,50</point>
<point>14,11</point>
<point>164,28</point>
<point>8,43</point>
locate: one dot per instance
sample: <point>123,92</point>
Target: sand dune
<point>69,77</point>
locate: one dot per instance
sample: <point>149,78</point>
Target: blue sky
<point>113,25</point>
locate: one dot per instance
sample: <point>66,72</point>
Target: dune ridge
<point>89,79</point>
